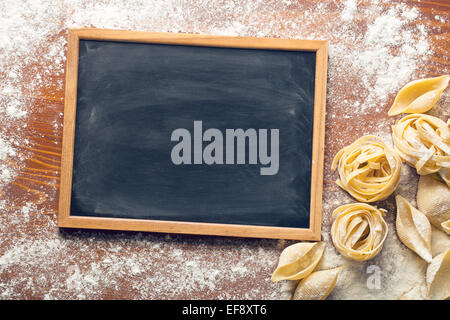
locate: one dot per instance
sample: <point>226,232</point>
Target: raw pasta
<point>446,226</point>
<point>415,293</point>
<point>433,200</point>
<point>368,169</point>
<point>445,175</point>
<point>413,229</point>
<point>438,277</point>
<point>359,230</point>
<point>298,261</point>
<point>423,141</point>
<point>318,285</point>
<point>419,96</point>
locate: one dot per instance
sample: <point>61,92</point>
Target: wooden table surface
<point>39,261</point>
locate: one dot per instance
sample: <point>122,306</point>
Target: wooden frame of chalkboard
<point>68,220</point>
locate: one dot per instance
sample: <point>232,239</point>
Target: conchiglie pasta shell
<point>413,229</point>
<point>415,293</point>
<point>318,285</point>
<point>298,261</point>
<point>419,96</point>
<point>446,226</point>
<point>433,200</point>
<point>438,277</point>
<point>444,173</point>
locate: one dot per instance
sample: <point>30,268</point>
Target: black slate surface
<point>131,96</point>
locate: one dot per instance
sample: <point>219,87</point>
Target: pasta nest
<point>368,169</point>
<point>358,230</point>
<point>423,141</point>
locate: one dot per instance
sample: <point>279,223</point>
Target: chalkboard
<point>193,134</point>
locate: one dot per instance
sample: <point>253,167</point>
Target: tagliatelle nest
<point>358,231</point>
<point>424,142</point>
<point>368,169</point>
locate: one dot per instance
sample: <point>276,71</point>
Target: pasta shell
<point>415,293</point>
<point>413,229</point>
<point>419,96</point>
<point>298,261</point>
<point>358,231</point>
<point>444,173</point>
<point>446,226</point>
<point>318,285</point>
<point>438,277</point>
<point>368,169</point>
<point>423,141</point>
<point>433,200</point>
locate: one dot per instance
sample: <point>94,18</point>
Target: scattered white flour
<point>7,151</point>
<point>349,10</point>
<point>377,47</point>
<point>440,19</point>
<point>383,58</point>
